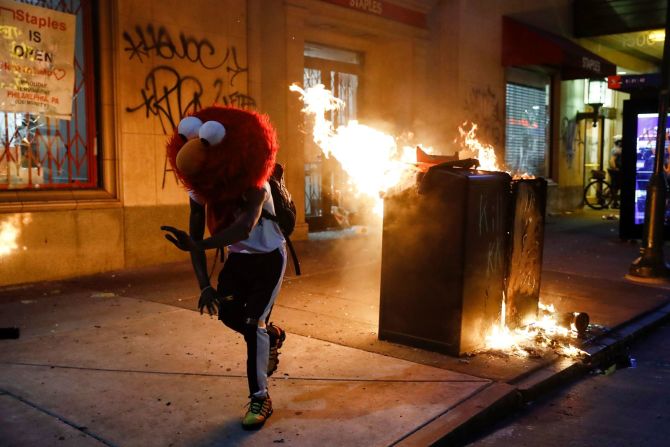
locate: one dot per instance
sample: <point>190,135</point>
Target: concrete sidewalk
<point>123,358</point>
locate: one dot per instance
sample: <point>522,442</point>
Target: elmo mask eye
<point>189,127</point>
<point>212,132</point>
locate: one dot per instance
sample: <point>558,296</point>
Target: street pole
<point>651,263</point>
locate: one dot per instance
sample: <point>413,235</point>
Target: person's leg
<point>266,272</point>
<point>231,292</point>
<point>277,336</point>
<point>616,189</point>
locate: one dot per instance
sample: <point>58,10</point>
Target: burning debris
<point>552,331</point>
<point>378,166</point>
<point>473,148</point>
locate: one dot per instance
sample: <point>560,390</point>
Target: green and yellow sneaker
<point>259,411</point>
<point>277,337</point>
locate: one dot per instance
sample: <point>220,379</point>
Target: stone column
<point>294,142</point>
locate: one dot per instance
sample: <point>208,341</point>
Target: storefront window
<point>345,89</point>
<point>527,136</point>
<point>41,151</point>
<point>312,77</point>
<point>326,187</point>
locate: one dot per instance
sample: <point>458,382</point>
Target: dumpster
<point>526,240</point>
<point>444,259</point>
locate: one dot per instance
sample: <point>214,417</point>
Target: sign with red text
<point>36,60</point>
<point>385,9</point>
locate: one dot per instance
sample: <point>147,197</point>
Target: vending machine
<point>640,122</point>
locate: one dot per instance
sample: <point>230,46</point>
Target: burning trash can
<point>526,241</point>
<point>444,259</point>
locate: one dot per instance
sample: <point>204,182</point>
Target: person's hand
<point>180,238</point>
<point>209,300</point>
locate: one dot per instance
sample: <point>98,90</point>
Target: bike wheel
<point>598,195</point>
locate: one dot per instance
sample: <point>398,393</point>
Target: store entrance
<point>327,199</point>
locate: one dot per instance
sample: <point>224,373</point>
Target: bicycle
<point>598,193</point>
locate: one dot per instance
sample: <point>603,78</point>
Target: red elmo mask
<point>221,152</point>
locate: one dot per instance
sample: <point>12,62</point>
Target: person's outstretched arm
<point>239,230</point>
<point>193,242</point>
<point>196,230</point>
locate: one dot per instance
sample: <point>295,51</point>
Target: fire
<point>372,159</point>
<point>544,333</point>
<point>9,233</point>
<point>375,164</point>
<point>473,148</point>
<point>485,153</point>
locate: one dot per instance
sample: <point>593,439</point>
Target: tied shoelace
<point>256,406</point>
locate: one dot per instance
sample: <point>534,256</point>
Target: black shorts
<point>252,280</point>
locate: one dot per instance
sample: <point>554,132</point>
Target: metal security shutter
<point>526,140</point>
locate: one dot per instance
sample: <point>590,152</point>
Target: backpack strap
<point>296,264</point>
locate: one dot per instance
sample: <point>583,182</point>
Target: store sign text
<point>373,6</point>
<point>36,59</point>
<point>591,64</point>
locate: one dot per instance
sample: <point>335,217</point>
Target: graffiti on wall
<point>170,93</point>
<point>483,108</point>
<point>571,139</point>
<point>144,42</point>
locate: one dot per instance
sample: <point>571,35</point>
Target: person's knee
<point>230,314</point>
<point>253,328</point>
<point>233,321</point>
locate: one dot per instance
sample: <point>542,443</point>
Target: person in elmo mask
<point>225,156</point>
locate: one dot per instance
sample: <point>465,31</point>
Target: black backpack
<point>285,211</point>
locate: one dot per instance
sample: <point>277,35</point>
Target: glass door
<point>325,181</point>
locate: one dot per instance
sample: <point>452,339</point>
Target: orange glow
<point>372,159</point>
<point>471,147</point>
<point>9,233</point>
<point>544,333</point>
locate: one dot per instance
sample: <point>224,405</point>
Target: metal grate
<point>312,77</point>
<point>41,152</point>
<point>526,129</point>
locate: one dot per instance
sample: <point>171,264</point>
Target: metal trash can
<point>444,259</point>
<point>526,242</point>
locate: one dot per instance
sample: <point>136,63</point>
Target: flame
<point>9,233</point>
<point>471,147</point>
<point>372,159</point>
<point>544,333</point>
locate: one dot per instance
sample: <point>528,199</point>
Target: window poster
<point>36,60</point>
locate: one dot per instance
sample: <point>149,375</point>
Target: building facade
<point>89,195</point>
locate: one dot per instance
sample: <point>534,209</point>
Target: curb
<point>459,424</point>
<point>602,350</point>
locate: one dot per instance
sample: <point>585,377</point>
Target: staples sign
<point>591,64</point>
<point>36,60</point>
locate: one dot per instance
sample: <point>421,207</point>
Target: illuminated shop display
<point>645,147</point>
